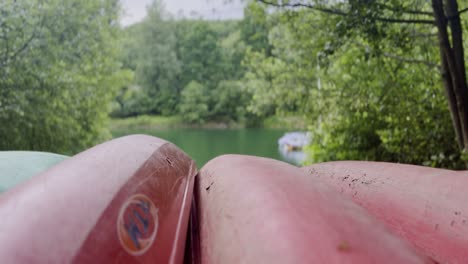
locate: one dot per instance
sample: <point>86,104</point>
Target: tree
<point>167,55</point>
<point>195,102</point>
<point>373,18</point>
<point>200,53</point>
<point>229,102</point>
<point>255,27</point>
<point>58,70</point>
<point>158,66</point>
<point>279,82</point>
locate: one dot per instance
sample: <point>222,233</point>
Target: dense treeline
<point>370,89</point>
<point>191,68</point>
<point>374,80</point>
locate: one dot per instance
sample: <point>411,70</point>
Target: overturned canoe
<point>255,210</point>
<point>427,207</point>
<point>125,201</point>
<point>128,201</point>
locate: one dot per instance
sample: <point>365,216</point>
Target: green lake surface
<point>205,144</point>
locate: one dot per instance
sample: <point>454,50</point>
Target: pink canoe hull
<point>125,201</point>
<point>427,207</point>
<point>254,210</point>
<point>128,201</point>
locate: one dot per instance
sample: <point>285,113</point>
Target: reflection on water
<point>205,144</point>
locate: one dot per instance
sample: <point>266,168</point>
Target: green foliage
<point>158,66</point>
<point>255,27</point>
<point>400,116</point>
<point>58,73</point>
<point>194,103</point>
<point>171,56</point>
<point>369,87</point>
<point>280,82</point>
<point>200,53</point>
<point>230,102</point>
<point>371,90</point>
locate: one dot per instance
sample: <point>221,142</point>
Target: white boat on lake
<point>292,144</point>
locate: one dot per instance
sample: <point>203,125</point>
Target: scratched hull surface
<point>427,207</point>
<point>255,210</point>
<point>125,201</point>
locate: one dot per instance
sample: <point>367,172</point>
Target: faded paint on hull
<point>70,213</point>
<point>255,210</point>
<point>425,206</point>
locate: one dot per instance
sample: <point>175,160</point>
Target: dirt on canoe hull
<point>255,210</point>
<point>427,207</point>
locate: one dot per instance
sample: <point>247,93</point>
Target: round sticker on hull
<point>137,224</point>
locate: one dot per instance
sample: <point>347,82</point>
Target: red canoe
<point>126,201</point>
<point>428,207</point>
<point>254,210</point>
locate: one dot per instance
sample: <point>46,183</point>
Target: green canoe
<point>19,166</point>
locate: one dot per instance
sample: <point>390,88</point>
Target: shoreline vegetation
<point>156,122</point>
<point>368,88</point>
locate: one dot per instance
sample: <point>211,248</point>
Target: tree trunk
<point>452,100</point>
<point>461,91</point>
<point>453,66</point>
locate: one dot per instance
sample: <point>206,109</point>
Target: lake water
<point>205,144</point>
